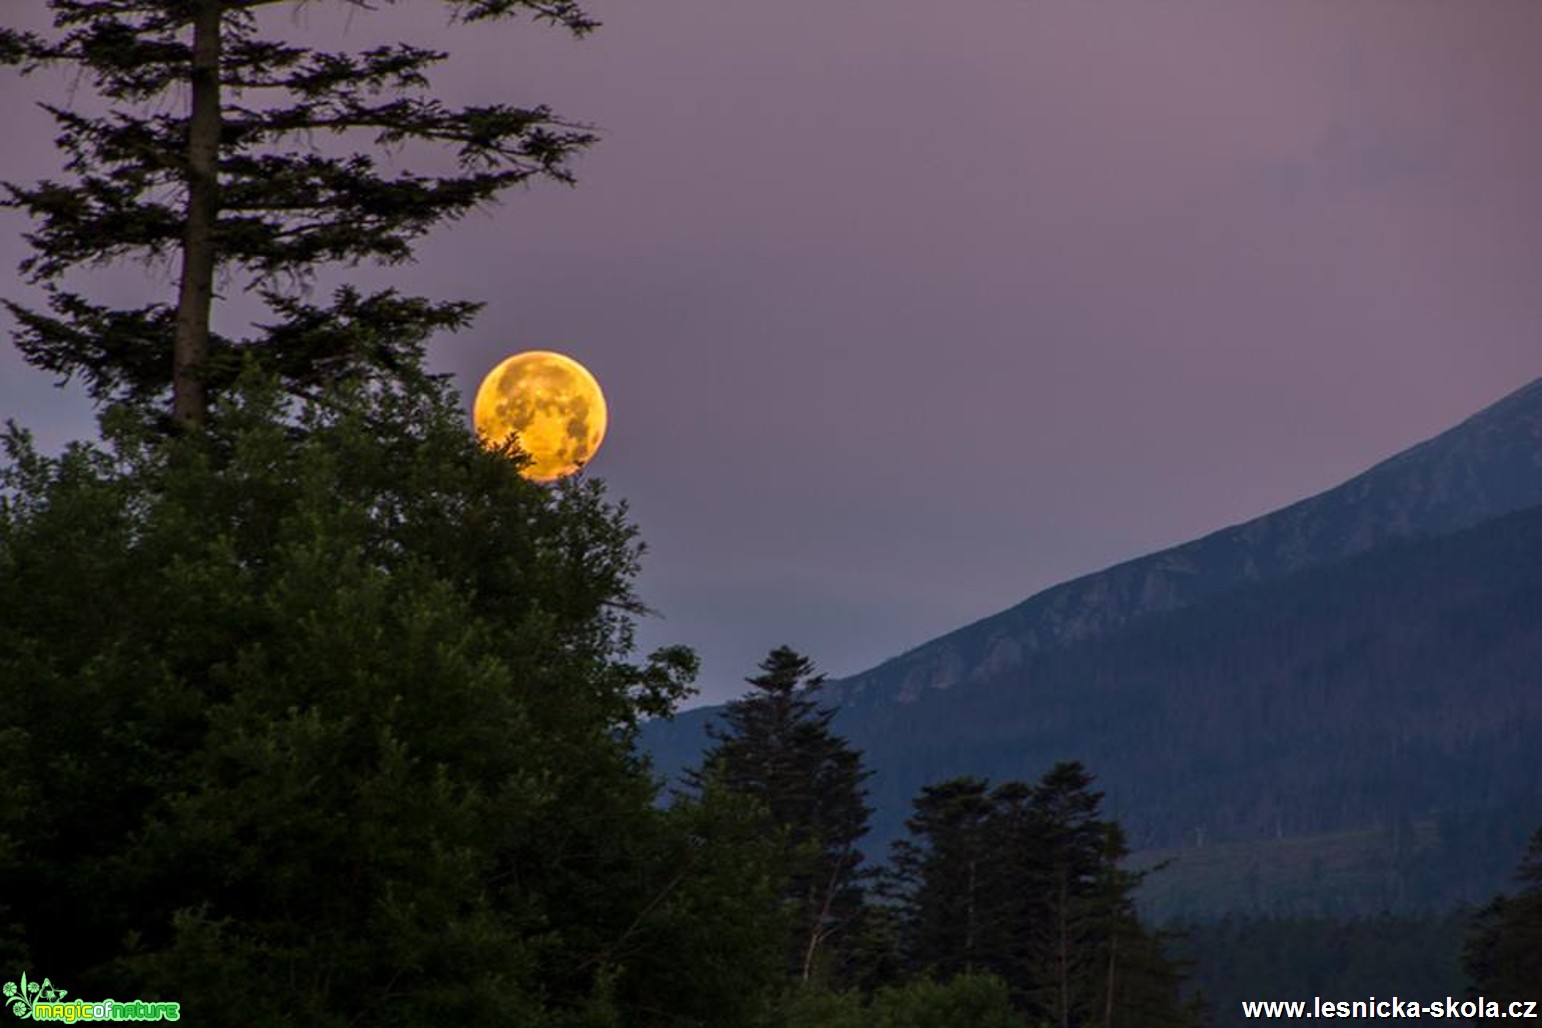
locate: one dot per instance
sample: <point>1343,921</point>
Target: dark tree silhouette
<point>1026,884</point>
<point>776,745</point>
<point>1503,955</point>
<point>227,182</point>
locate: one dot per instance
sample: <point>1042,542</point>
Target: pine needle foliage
<point>239,157</point>
<point>777,746</point>
<point>1025,883</point>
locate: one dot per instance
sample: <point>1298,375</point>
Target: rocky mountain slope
<point>1394,685</point>
<point>1489,465</point>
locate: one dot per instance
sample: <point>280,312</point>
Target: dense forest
<point>1493,952</point>
<point>1247,958</point>
<point>320,758</point>
<point>1021,883</point>
<point>1431,865</point>
<point>319,712</point>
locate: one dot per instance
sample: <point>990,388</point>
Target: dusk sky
<point>905,311</point>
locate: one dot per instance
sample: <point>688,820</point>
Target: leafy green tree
<point>202,159</point>
<point>1503,955</point>
<point>777,746</point>
<point>708,952</point>
<point>963,1001</point>
<point>321,712</point>
<point>976,1000</point>
<point>811,1005</point>
<point>336,727</point>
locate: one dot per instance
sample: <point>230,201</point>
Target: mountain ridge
<point>1487,465</point>
<point>1402,681</point>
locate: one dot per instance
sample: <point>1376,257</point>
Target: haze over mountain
<point>1369,656</point>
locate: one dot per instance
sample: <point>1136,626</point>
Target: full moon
<point>550,404</point>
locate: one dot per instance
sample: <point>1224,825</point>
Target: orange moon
<point>547,402</point>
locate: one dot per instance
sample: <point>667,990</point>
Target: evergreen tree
<point>776,746</point>
<point>1503,955</point>
<point>1025,884</point>
<point>321,712</point>
<point>940,875</point>
<point>336,728</point>
<point>224,183</point>
<point>963,1001</point>
<point>1074,839</point>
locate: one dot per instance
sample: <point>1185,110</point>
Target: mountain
<point>1386,687</point>
<point>1370,656</point>
<point>1489,465</point>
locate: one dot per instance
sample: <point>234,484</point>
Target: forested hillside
<point>1242,959</point>
<point>1395,692</point>
<point>1440,863</point>
<point>1392,685</point>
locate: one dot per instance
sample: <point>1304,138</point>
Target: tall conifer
<point>231,156</point>
<point>777,745</point>
<point>1026,883</point>
<point>941,874</point>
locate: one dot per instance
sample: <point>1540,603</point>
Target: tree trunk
<point>1108,1001</point>
<point>1064,955</point>
<point>969,923</point>
<point>818,930</point>
<point>189,404</point>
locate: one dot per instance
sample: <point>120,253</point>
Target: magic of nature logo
<point>44,1001</point>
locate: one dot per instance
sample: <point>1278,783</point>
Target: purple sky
<point>906,311</point>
